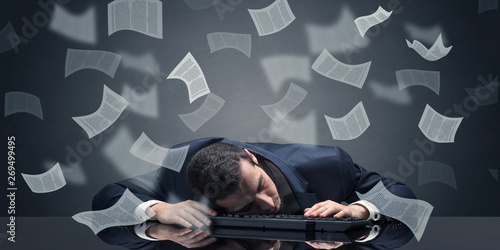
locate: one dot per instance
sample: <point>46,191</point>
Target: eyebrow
<point>247,206</point>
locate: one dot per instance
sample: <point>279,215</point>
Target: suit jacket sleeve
<point>162,184</point>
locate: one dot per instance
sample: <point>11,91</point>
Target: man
<point>246,178</point>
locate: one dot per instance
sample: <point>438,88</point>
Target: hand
<point>187,213</point>
<point>329,208</point>
<point>325,245</point>
<point>187,237</point>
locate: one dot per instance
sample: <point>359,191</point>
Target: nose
<point>264,202</point>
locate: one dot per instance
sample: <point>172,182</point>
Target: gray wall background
<point>38,68</point>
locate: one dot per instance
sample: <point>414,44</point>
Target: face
<point>256,194</point>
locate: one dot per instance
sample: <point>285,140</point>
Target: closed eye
<point>261,185</point>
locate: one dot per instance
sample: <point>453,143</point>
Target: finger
<point>203,243</point>
<point>314,244</point>
<point>341,214</point>
<point>188,220</point>
<point>195,237</point>
<point>330,211</point>
<point>325,245</point>
<point>196,217</point>
<point>203,208</point>
<point>190,237</point>
<point>326,203</point>
<point>181,232</point>
<point>201,236</point>
<point>318,205</point>
<point>310,212</point>
<point>313,209</point>
<point>200,216</point>
<point>334,245</point>
<point>307,211</point>
<point>318,211</point>
<point>183,222</point>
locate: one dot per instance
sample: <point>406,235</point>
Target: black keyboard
<point>289,222</point>
<point>290,235</point>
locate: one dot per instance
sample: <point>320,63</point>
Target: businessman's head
<point>232,179</point>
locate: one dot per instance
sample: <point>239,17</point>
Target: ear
<point>251,156</point>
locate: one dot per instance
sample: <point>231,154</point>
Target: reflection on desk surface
<point>391,235</point>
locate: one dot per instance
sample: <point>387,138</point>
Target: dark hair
<point>214,171</point>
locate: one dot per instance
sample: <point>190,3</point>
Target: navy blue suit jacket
<point>314,173</point>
